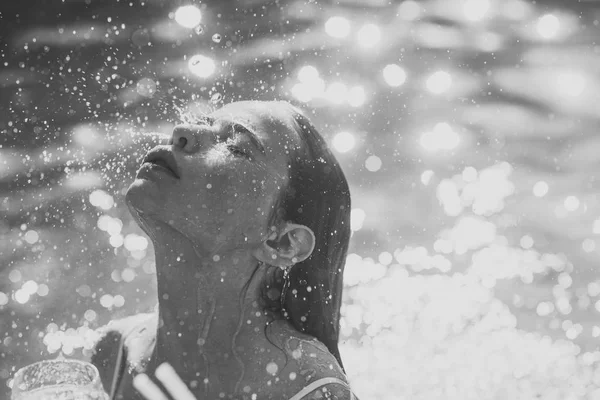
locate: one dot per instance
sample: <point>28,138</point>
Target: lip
<point>163,159</point>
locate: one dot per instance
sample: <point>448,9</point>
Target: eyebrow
<point>252,136</point>
<point>248,132</point>
<point>204,119</point>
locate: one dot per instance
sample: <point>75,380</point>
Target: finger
<point>176,387</point>
<point>147,388</point>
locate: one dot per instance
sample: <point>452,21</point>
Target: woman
<point>249,215</point>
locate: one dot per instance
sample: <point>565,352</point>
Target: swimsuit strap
<point>116,380</point>
<point>317,384</point>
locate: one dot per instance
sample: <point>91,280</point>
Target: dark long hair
<point>318,197</point>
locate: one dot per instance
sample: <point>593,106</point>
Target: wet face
<point>216,182</point>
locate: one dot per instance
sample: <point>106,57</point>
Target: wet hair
<point>317,196</point>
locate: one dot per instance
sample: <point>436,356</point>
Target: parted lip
<point>164,158</point>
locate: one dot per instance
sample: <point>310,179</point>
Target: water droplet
<point>216,38</point>
<point>272,368</point>
<point>297,353</point>
<point>217,97</point>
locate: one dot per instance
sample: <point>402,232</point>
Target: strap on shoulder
<point>317,384</point>
<point>120,368</point>
<point>123,347</point>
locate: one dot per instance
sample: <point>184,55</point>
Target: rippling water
<point>467,130</point>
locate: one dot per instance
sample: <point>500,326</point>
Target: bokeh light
<point>540,189</point>
<point>343,142</point>
<point>135,242</point>
<point>308,74</point>
<point>188,16</point>
<point>373,163</point>
<point>356,96</point>
<point>439,82</point>
<point>146,87</point>
<point>31,237</point>
<point>337,27</point>
<point>99,198</point>
<point>337,92</point>
<point>357,219</point>
<point>469,174</point>
<point>394,75</point>
<point>368,36</point>
<point>3,299</point>
<point>308,91</point>
<point>571,203</point>
<point>548,26</point>
<point>426,177</point>
<point>441,137</point>
<point>302,92</point>
<point>87,136</point>
<point>476,10</point>
<point>409,10</point>
<point>311,85</point>
<point>201,66</point>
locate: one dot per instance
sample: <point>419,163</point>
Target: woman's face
<point>226,175</point>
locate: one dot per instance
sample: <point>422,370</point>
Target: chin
<point>145,196</point>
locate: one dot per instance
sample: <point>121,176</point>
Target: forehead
<point>270,120</point>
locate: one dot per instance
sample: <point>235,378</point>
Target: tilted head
<point>257,176</point>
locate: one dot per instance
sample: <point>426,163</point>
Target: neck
<point>209,309</point>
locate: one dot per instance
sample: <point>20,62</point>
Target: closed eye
<point>236,150</point>
<point>241,129</point>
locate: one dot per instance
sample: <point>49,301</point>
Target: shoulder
<point>311,371</point>
<point>124,345</point>
<point>320,386</point>
<point>325,388</point>
<point>305,351</point>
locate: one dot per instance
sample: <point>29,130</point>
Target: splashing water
<point>192,116</point>
<point>152,135</point>
<point>216,98</point>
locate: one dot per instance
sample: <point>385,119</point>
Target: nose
<point>185,138</point>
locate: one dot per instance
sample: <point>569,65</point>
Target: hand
<point>169,378</point>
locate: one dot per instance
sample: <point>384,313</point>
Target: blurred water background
<point>468,130</point>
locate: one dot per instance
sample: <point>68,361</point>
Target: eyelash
<point>235,150</point>
<point>237,127</point>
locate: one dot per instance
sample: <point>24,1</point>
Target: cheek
<point>241,191</point>
<point>247,197</point>
<point>234,199</point>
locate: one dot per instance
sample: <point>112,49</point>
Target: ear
<point>289,245</point>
